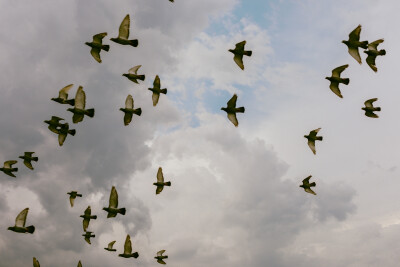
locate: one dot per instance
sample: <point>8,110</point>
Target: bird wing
<point>314,133</point>
<point>71,200</point>
<point>77,118</point>
<point>355,34</point>
<point>157,83</point>
<point>96,54</point>
<point>21,218</point>
<point>233,119</point>
<point>85,224</point>
<point>353,51</point>
<point>337,71</point>
<point>61,138</point>
<point>98,38</point>
<point>369,102</point>
<point>79,264</point>
<point>88,211</point>
<point>28,164</point>
<point>371,114</point>
<point>113,203</point>
<point>160,252</point>
<point>307,180</point>
<point>80,98</point>
<point>371,62</point>
<point>232,102</point>
<point>87,239</point>
<point>240,46</point>
<point>28,154</point>
<point>239,60</point>
<point>55,119</point>
<point>128,245</point>
<point>309,190</point>
<point>155,98</point>
<point>160,261</point>
<point>129,102</point>
<point>127,118</point>
<point>334,86</point>
<point>311,144</point>
<point>124,28</point>
<point>159,189</point>
<point>111,244</point>
<point>374,45</point>
<point>64,92</point>
<point>8,164</point>
<point>35,262</point>
<point>160,176</point>
<point>134,70</point>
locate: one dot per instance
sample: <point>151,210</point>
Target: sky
<point>235,198</point>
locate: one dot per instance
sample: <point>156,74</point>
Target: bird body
<point>129,110</point>
<point>231,110</point>
<point>312,137</point>
<point>157,90</point>
<point>354,43</point>
<point>79,109</point>
<point>86,218</point>
<point>133,76</point>
<point>63,96</point>
<point>87,236</point>
<point>128,249</point>
<point>63,133</point>
<point>160,181</point>
<point>239,52</point>
<point>54,123</point>
<point>110,246</point>
<point>112,208</point>
<point>27,157</point>
<point>335,80</point>
<point>373,52</point>
<point>20,221</point>
<point>97,46</point>
<point>370,109</point>
<point>307,185</point>
<point>72,196</point>
<point>124,34</point>
<point>8,169</point>
<point>160,257</point>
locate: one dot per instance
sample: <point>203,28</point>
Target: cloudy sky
<point>235,198</point>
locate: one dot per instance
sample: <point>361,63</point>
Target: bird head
<point>70,109</point>
<point>224,109</point>
<point>87,43</point>
<point>11,228</point>
<point>113,39</point>
<point>328,78</point>
<point>122,109</point>
<point>231,50</point>
<point>306,136</point>
<point>126,75</point>
<point>21,157</point>
<point>301,185</point>
<point>48,122</point>
<point>81,216</point>
<point>364,108</point>
<point>345,42</point>
<point>54,99</point>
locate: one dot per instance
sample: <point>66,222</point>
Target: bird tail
<point>79,195</point>
<point>31,229</point>
<point>241,110</point>
<point>248,53</point>
<point>382,52</point>
<point>346,81</point>
<point>134,43</point>
<point>164,91</point>
<point>313,184</point>
<point>377,109</point>
<point>319,138</point>
<point>105,47</point>
<point>364,44</point>
<point>122,211</point>
<point>135,255</point>
<point>72,132</point>
<point>167,183</point>
<point>90,112</point>
<point>138,111</point>
<point>71,102</point>
<point>15,169</point>
<point>93,217</point>
<point>141,77</point>
<point>35,158</point>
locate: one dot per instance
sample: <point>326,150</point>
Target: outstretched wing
<point>232,102</point>
<point>113,203</point>
<point>311,144</point>
<point>334,86</point>
<point>309,190</point>
<point>98,38</point>
<point>71,200</point>
<point>64,92</point>
<point>134,70</point>
<point>88,211</point>
<point>337,71</point>
<point>61,138</point>
<point>129,102</point>
<point>155,97</point>
<point>307,180</point>
<point>314,133</point>
<point>159,189</point>
<point>95,52</point>
<point>157,83</point>
<point>355,34</point>
<point>353,51</point>
<point>127,118</point>
<point>128,245</point>
<point>21,218</point>
<point>371,62</point>
<point>80,98</point>
<point>87,239</point>
<point>8,164</point>
<point>160,176</point>
<point>79,264</point>
<point>160,252</point>
<point>239,60</point>
<point>111,244</point>
<point>124,28</point>
<point>233,119</point>
<point>369,102</point>
<point>374,45</point>
<point>28,164</point>
<point>85,224</point>
<point>160,261</point>
<point>240,46</point>
<point>35,262</point>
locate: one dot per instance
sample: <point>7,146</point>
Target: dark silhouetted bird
<point>335,80</point>
<point>124,34</point>
<point>129,110</point>
<point>157,90</point>
<point>54,124</point>
<point>239,52</point>
<point>79,264</point>
<point>97,46</point>
<point>72,196</point>
<point>27,157</point>
<point>113,205</point>
<point>354,43</point>
<point>369,108</point>
<point>63,133</point>
<point>133,76</point>
<point>160,257</point>
<point>231,110</point>
<point>373,52</point>
<point>307,185</point>
<point>87,236</point>
<point>8,169</point>
<point>110,246</point>
<point>63,96</point>
<point>35,262</point>
<point>160,181</point>
<point>20,223</point>
<point>86,218</point>
<point>312,137</point>
<point>79,109</point>
<point>128,249</point>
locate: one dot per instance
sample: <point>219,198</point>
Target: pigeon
<point>54,123</point>
<point>72,196</point>
<point>27,157</point>
<point>239,52</point>
<point>20,223</point>
<point>63,133</point>
<point>128,249</point>
<point>35,262</point>
<point>369,108</point>
<point>373,52</point>
<point>311,137</point>
<point>133,76</point>
<point>157,90</point>
<point>87,236</point>
<point>8,169</point>
<point>231,109</point>
<point>160,182</point>
<point>97,46</point>
<point>129,110</point>
<point>79,109</point>
<point>160,257</point>
<point>113,205</point>
<point>335,80</point>
<point>307,186</point>
<point>354,43</point>
<point>171,1</point>
<point>63,96</point>
<point>79,264</point>
<point>110,246</point>
<point>86,218</point>
<point>124,34</point>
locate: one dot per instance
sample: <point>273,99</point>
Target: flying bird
<point>86,218</point>
<point>373,52</point>
<point>63,133</point>
<point>128,249</point>
<point>129,110</point>
<point>335,80</point>
<point>79,109</point>
<point>97,46</point>
<point>27,157</point>
<point>8,169</point>
<point>20,223</point>
<point>113,205</point>
<point>63,96</point>
<point>79,264</point>
<point>239,52</point>
<point>132,74</point>
<point>312,137</point>
<point>72,196</point>
<point>110,246</point>
<point>54,124</point>
<point>171,1</point>
<point>160,257</point>
<point>369,108</point>
<point>87,236</point>
<point>354,43</point>
<point>160,181</point>
<point>157,90</point>
<point>124,34</point>
<point>35,262</point>
<point>231,110</point>
<point>307,185</point>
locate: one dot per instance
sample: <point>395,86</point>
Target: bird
<point>86,218</point>
<point>239,52</point>
<point>54,123</point>
<point>63,133</point>
<point>35,262</point>
<point>354,43</point>
<point>157,90</point>
<point>27,157</point>
<point>160,181</point>
<point>171,1</point>
<point>311,137</point>
<point>97,46</point>
<point>335,80</point>
<point>113,205</point>
<point>129,110</point>
<point>373,52</point>
<point>79,264</point>
<point>63,96</point>
<point>128,249</point>
<point>132,74</point>
<point>79,109</point>
<point>369,108</point>
<point>87,236</point>
<point>231,110</point>
<point>8,169</point>
<point>110,246</point>
<point>307,185</point>
<point>160,257</point>
<point>20,223</point>
<point>72,196</point>
<point>124,34</point>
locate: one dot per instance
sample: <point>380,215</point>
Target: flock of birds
<point>79,111</point>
